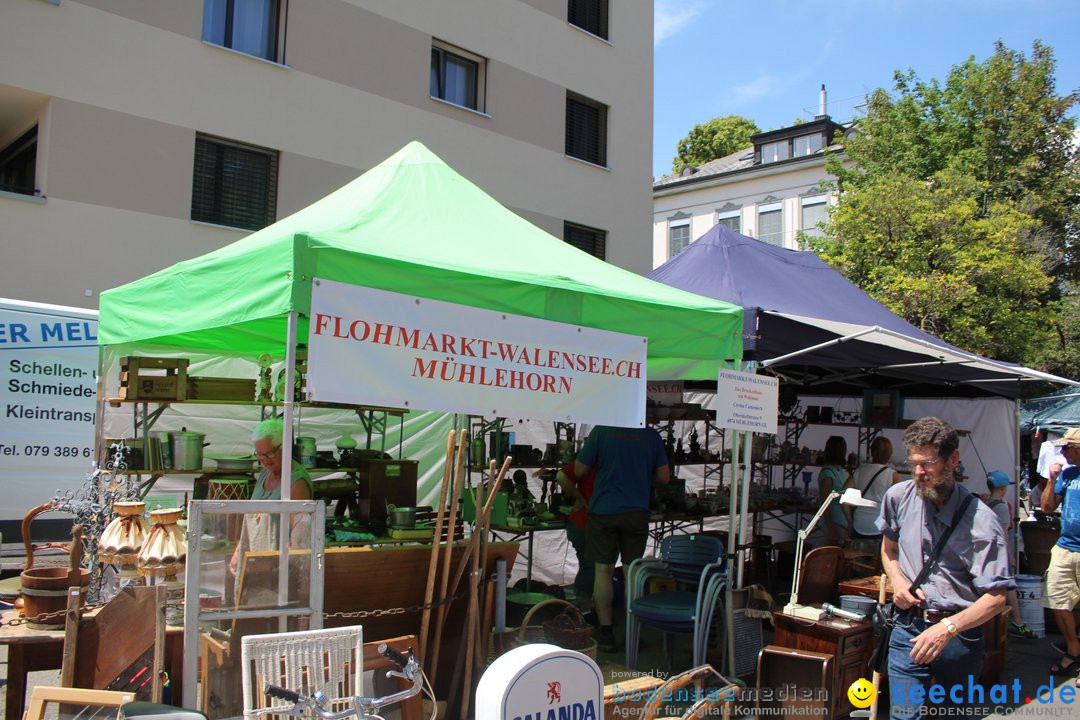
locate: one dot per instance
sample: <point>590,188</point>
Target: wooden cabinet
<point>848,642</point>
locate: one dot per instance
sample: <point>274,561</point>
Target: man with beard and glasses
<point>938,636</point>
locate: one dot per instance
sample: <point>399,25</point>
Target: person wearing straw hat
<point>1062,590</point>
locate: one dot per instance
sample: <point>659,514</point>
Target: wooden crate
<point>153,378</point>
<point>220,388</point>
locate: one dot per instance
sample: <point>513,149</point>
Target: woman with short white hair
<point>260,530</point>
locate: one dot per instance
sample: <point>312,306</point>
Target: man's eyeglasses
<point>268,455</point>
<point>924,465</point>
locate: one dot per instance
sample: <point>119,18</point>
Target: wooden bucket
<point>44,592</point>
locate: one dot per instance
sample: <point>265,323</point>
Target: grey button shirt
<point>974,560</point>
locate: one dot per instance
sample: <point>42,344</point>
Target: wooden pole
<point>464,562</point>
<point>440,616</point>
<point>471,623</point>
<point>433,563</point>
<point>876,679</point>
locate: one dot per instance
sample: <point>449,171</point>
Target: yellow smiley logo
<point>862,693</point>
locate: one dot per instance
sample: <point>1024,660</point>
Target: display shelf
<point>396,412</point>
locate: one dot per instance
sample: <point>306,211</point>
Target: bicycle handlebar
<point>363,707</point>
<point>393,655</point>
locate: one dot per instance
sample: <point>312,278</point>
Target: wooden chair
<point>821,571</point>
<point>42,695</point>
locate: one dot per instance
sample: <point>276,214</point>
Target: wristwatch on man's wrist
<point>950,626</point>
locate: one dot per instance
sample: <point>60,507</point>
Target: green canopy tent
<point>413,225</point>
<point>409,225</point>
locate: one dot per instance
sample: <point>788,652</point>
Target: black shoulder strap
<point>870,484</point>
<point>941,543</point>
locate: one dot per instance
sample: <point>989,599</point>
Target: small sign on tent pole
<point>746,401</point>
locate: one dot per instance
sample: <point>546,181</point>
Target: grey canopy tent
<point>814,328</point>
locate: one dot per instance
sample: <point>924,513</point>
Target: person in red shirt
<point>579,490</point>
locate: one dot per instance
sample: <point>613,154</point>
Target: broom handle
<point>876,678</point>
<point>451,523</point>
<point>433,562</point>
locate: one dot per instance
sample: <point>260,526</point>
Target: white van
<point>48,410</point>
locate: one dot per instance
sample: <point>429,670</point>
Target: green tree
<point>719,137</point>
<point>959,207</point>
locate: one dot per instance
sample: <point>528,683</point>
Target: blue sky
<point>766,59</point>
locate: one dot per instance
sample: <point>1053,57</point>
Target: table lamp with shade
<point>850,496</point>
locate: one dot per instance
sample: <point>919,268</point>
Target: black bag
<point>884,620</point>
<point>885,614</point>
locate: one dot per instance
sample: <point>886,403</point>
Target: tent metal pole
<point>819,346</point>
<point>733,499</point>
<point>289,407</point>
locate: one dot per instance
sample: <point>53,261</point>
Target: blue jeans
<point>583,581</point>
<point>958,664</point>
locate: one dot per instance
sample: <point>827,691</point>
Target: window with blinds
<point>814,212</point>
<point>771,226</point>
<point>589,15</point>
<point>234,184</point>
<point>678,239</point>
<point>589,239</point>
<point>18,164</point>
<point>586,130</point>
<point>733,221</point>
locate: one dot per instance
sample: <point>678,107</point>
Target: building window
<point>814,211</point>
<point>731,220</point>
<point>589,15</point>
<point>807,145</point>
<point>589,239</point>
<point>457,76</point>
<point>678,239</point>
<point>248,26</point>
<point>234,184</point>
<point>586,130</point>
<point>18,164</point>
<point>774,152</point>
<point>771,224</point>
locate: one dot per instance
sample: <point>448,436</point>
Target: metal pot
<point>401,517</point>
<point>233,463</point>
<point>187,450</point>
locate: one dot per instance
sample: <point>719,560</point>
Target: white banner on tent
<point>375,347</point>
<point>745,401</point>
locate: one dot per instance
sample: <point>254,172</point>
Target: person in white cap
<point>1062,586</point>
<point>997,484</point>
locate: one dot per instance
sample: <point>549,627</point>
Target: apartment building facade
<point>770,191</point>
<point>134,135</point>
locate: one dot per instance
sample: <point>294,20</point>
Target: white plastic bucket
<point>1029,598</point>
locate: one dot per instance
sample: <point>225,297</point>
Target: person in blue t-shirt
<point>1062,590</point>
<point>628,462</point>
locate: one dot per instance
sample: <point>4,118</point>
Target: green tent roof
<point>413,225</point>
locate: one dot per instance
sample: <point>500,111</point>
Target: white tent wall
<point>990,444</point>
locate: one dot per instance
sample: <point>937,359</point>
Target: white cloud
<point>759,87</point>
<point>671,16</point>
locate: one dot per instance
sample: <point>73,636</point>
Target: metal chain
<point>396,611</point>
<point>44,618</point>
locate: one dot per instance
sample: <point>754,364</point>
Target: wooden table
<point>849,641</point>
<point>31,650</point>
<point>995,631</point>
